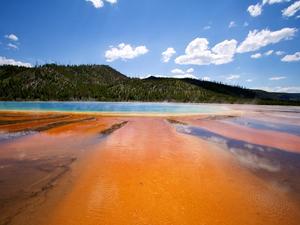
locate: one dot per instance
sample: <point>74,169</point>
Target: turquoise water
<point>120,107</point>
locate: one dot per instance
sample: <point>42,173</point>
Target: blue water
<point>120,107</point>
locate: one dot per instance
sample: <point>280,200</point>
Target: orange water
<point>146,173</point>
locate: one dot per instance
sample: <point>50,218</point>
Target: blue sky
<point>253,43</point>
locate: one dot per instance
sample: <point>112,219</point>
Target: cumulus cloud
<point>255,10</point>
<point>291,58</point>
<point>292,9</point>
<point>258,39</point>
<point>6,61</point>
<point>256,56</point>
<point>100,3</point>
<point>231,24</point>
<point>277,78</point>
<point>167,55</point>
<point>198,53</point>
<point>206,27</point>
<point>125,51</point>
<point>12,37</point>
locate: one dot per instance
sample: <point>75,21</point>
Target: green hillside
<point>103,83</point>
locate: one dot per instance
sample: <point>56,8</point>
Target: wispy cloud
<point>291,10</point>
<point>277,78</point>
<point>282,89</point>
<point>258,39</point>
<point>257,9</point>
<point>232,24</point>
<point>233,77</point>
<point>13,46</point>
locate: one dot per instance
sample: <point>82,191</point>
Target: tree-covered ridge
<point>103,83</point>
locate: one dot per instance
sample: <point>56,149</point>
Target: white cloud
<point>256,56</point>
<point>270,52</point>
<point>259,55</point>
<point>12,37</point>
<point>167,55</point>
<point>190,70</point>
<point>10,45</point>
<point>258,39</point>
<point>100,3</point>
<point>233,77</point>
<point>255,10</point>
<point>291,58</point>
<point>6,61</point>
<point>271,2</point>
<point>289,89</point>
<point>292,9</point>
<point>177,71</point>
<point>198,53</point>
<point>124,51</point>
<point>96,3</point>
<point>277,78</point>
<point>279,52</point>
<point>249,80</point>
<point>111,1</point>
<point>232,24</point>
<point>246,24</point>
<point>206,27</point>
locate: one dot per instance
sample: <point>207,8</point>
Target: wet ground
<point>240,167</point>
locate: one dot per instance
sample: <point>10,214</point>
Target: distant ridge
<point>103,83</point>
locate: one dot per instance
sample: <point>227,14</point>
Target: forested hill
<point>103,83</point>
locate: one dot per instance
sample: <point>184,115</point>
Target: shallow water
<point>125,107</point>
<point>187,170</point>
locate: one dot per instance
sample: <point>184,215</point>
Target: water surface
<point>114,107</point>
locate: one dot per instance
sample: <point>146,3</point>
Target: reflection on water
<point>265,125</point>
<point>267,161</point>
